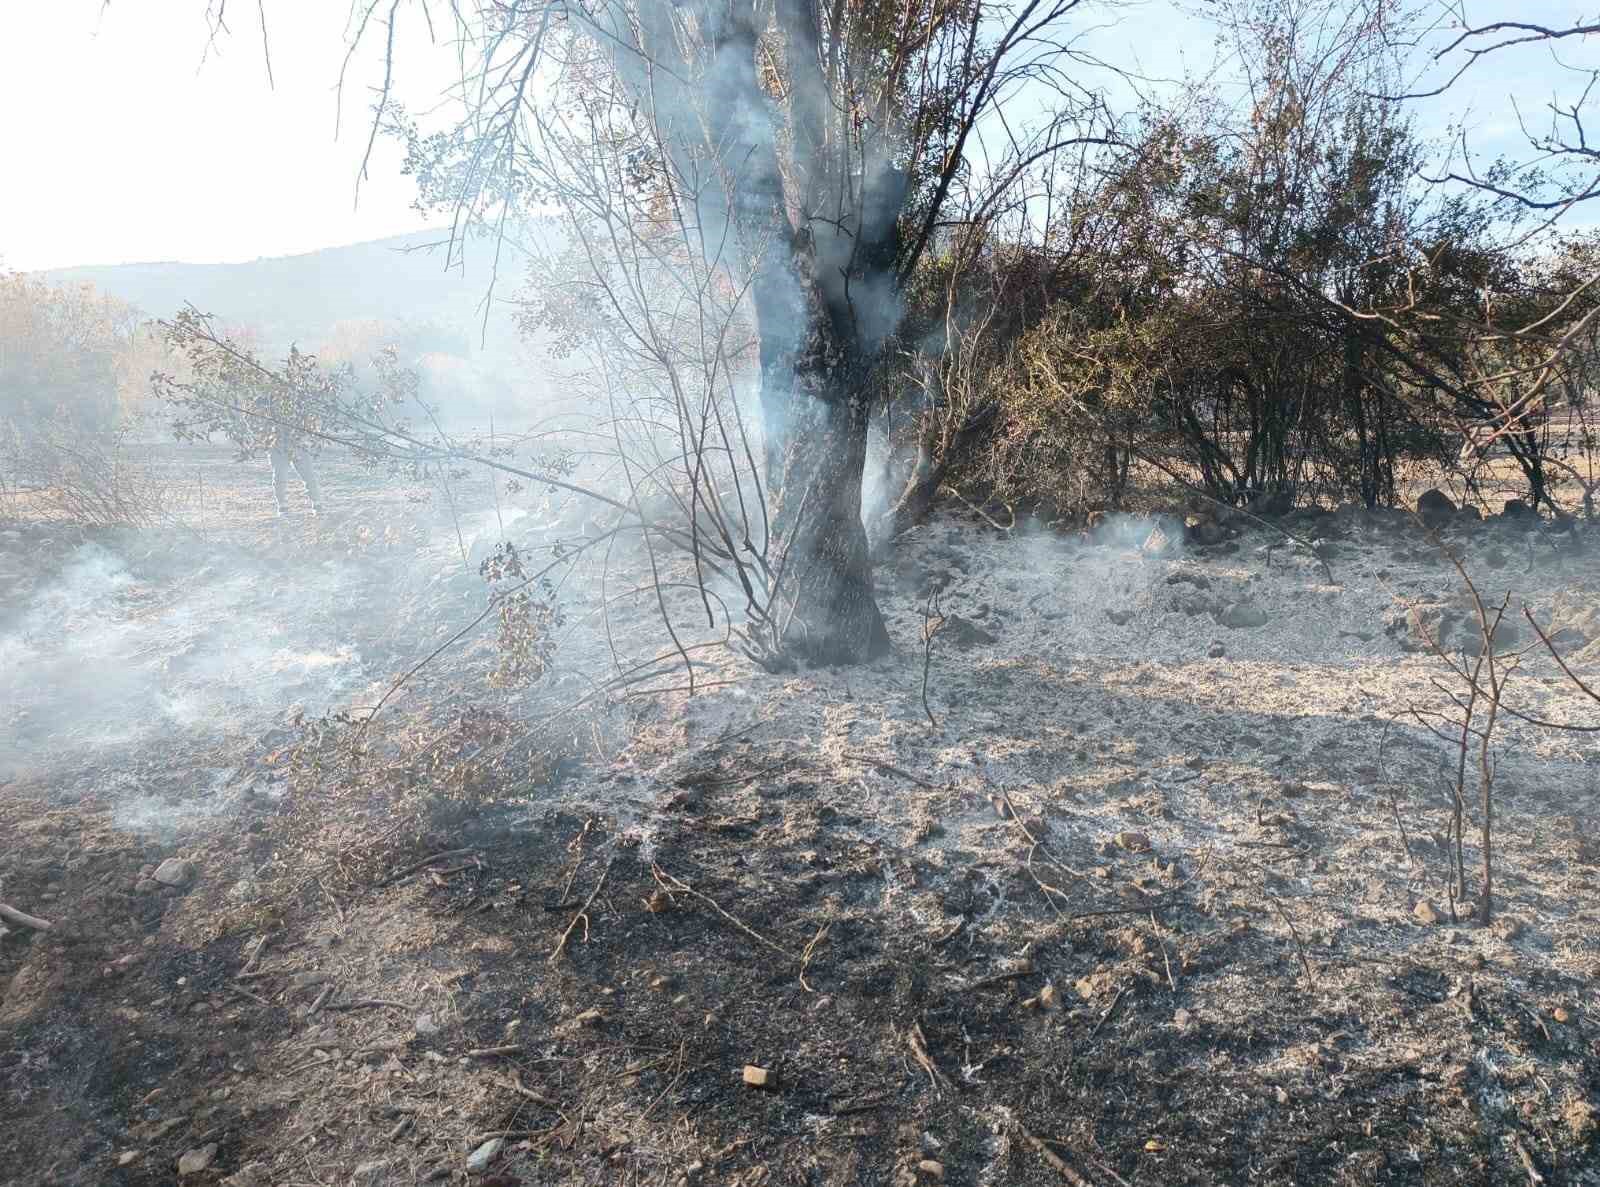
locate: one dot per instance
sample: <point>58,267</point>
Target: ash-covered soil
<point>1151,898</point>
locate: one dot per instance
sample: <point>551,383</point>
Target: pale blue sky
<point>120,146</point>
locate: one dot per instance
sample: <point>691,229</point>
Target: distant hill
<point>295,299</point>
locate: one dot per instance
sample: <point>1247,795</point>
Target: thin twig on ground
<point>1305,962</point>
<point>1110,1010</point>
<point>243,992</point>
<point>255,955</point>
<point>1165,958</point>
<point>932,623</point>
<point>674,885</point>
<point>810,952</point>
<point>583,914</point>
<point>889,769</point>
<point>918,1046</point>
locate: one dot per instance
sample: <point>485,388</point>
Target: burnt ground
<point>1125,911</point>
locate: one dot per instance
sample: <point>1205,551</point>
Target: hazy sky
<point>121,146</point>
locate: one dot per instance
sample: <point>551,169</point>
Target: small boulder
<point>195,1161</point>
<point>1242,616</point>
<point>175,872</point>
<point>1425,913</point>
<point>478,1161</point>
<point>1517,509</point>
<point>1435,507</point>
<point>1216,651</point>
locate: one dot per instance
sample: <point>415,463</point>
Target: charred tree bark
<point>826,607</point>
<point>816,406</point>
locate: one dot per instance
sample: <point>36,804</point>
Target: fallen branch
<point>426,861</point>
<point>521,1089</point>
<point>366,1003</point>
<point>22,919</point>
<point>1056,1162</point>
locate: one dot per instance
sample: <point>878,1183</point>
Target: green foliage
<point>226,390</point>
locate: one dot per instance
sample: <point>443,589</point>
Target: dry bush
<point>63,472</point>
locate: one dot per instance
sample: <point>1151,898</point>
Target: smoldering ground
<point>1158,809</point>
<point>133,664</point>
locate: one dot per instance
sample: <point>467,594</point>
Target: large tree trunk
<point>815,403</point>
<point>825,608</point>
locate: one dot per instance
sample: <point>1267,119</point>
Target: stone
<point>759,1077</point>
<point>1242,616</point>
<point>368,1174</point>
<point>1435,507</point>
<point>129,1156</point>
<point>1216,650</point>
<point>931,1168</point>
<point>195,1161</point>
<point>252,1174</point>
<point>1133,842</point>
<point>1517,509</point>
<point>478,1161</point>
<point>1425,913</point>
<point>425,1026</point>
<point>1470,514</point>
<point>1120,617</point>
<point>175,872</point>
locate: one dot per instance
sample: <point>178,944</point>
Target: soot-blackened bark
<point>828,611</point>
<point>815,406</point>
